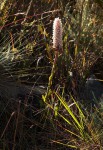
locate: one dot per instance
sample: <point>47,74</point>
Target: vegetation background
<point>59,116</point>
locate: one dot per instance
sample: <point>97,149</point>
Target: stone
<point>11,90</point>
<point>93,90</point>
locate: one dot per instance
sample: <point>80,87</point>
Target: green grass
<point>63,120</point>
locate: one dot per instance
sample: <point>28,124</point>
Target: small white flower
<point>57,34</point>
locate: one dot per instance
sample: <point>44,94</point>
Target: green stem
<point>51,75</point>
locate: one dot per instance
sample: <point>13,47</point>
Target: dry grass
<point>27,56</point>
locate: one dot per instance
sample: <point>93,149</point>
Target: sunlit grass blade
<point>67,145</point>
<point>69,111</point>
<point>65,119</point>
<point>81,115</point>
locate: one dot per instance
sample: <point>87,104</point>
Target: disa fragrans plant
<point>57,45</point>
<point>57,34</point>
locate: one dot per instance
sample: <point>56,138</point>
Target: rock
<point>16,91</point>
<point>93,90</point>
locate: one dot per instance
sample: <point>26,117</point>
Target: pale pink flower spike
<point>57,34</point>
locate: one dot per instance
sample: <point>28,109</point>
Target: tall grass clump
<point>82,46</point>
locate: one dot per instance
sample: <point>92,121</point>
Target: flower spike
<point>57,34</point>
